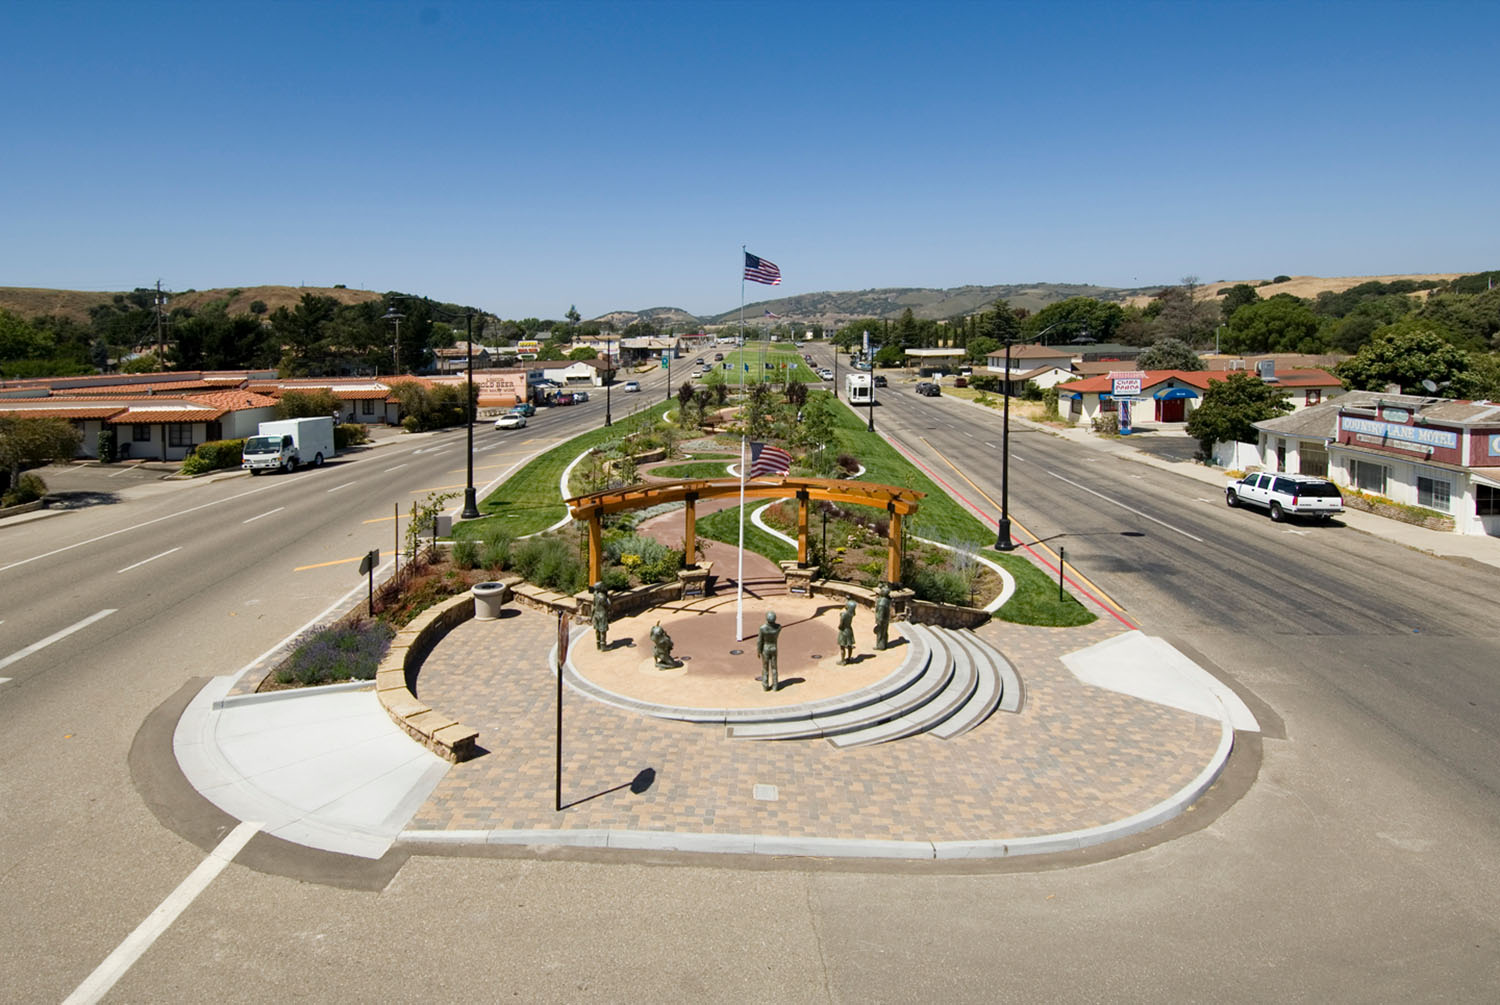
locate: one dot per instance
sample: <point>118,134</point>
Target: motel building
<point>1435,453</point>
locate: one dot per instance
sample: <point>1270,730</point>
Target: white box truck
<point>285,443</point>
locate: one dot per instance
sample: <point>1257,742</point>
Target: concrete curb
<point>802,847</point>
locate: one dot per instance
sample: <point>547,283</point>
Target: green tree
<point>573,316</point>
<point>1283,323</point>
<point>1236,297</point>
<point>307,404</point>
<point>1184,315</point>
<point>999,323</point>
<point>1072,318</point>
<point>1231,406</point>
<point>1169,354</point>
<point>817,427</point>
<point>890,356</point>
<point>979,348</point>
<point>1405,354</point>
<point>583,352</point>
<point>27,442</point>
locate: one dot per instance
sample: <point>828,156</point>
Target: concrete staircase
<point>949,683</point>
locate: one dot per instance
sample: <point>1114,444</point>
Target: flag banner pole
<point>739,577</point>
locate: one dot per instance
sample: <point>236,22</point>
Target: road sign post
<point>367,568</point>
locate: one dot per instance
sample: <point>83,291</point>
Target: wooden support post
<point>690,530</point>
<point>802,508</point>
<point>893,560</point>
<point>596,568</point>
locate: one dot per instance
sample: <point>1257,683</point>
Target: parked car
<point>1284,494</point>
<point>880,380</point>
<point>563,398</point>
<point>929,389</point>
<point>960,381</point>
<point>825,373</point>
<point>579,397</point>
<point>525,408</point>
<point>632,385</point>
<point>511,420</point>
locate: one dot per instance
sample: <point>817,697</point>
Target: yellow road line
<point>384,519</point>
<point>1034,539</point>
<point>322,565</point>
<point>486,467</point>
<point>440,488</point>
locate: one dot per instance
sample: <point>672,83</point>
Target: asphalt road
<point>1350,855</point>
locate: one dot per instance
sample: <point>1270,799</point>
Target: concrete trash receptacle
<point>489,598</point>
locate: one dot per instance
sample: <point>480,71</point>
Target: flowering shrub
<point>345,651</point>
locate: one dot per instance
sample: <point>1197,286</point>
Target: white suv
<point>1283,494</point>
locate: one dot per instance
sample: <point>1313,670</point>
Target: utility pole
<point>160,347</point>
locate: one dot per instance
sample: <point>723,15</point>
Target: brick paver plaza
<point>1074,757</point>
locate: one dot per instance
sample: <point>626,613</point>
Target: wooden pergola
<point>898,502</point>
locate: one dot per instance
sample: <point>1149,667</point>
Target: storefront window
<point>1434,493</point>
<point>1369,477</point>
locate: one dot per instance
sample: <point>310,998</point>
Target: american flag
<point>768,460</point>
<point>760,270</point>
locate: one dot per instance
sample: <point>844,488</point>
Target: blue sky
<point>522,157</point>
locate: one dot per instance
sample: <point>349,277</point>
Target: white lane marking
<point>268,512</point>
<point>115,965</point>
<point>990,445</point>
<point>1132,509</point>
<point>125,530</point>
<point>398,467</point>
<point>1019,457</point>
<point>4,680</point>
<point>125,470</point>
<point>145,560</point>
<point>343,486</point>
<point>55,637</point>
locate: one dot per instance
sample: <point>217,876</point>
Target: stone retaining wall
<point>441,734</point>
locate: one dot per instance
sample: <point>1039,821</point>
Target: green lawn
<point>695,469</point>
<point>528,501</point>
<point>1035,600</point>
<point>938,517</point>
<point>784,363</point>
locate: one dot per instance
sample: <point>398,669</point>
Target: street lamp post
<point>471,505</point>
<point>1003,541</point>
<point>609,379</point>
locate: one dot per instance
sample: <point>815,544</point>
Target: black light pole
<point>1002,537</point>
<point>471,506</point>
<point>609,379</point>
<point>392,314</point>
<point>871,378</point>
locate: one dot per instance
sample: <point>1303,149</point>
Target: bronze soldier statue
<point>846,634</point>
<point>601,617</point>
<point>765,648</point>
<point>661,645</point>
<point>882,615</point>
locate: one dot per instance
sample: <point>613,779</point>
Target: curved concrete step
<point>932,671</point>
<point>987,694</point>
<point>958,681</point>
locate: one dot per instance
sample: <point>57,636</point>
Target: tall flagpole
<point>739,579</point>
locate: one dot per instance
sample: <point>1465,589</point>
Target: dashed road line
<point>268,512</point>
<point>1132,509</point>
<point>398,467</point>
<point>343,486</point>
<point>35,647</point>
<point>324,565</point>
<point>143,561</point>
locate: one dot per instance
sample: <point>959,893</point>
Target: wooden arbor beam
<point>894,499</point>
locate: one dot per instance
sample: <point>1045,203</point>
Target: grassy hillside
<point>75,304</point>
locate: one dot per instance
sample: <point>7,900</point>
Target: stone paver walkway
<point>1074,757</point>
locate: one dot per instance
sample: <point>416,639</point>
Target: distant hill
<point>831,308</point>
<point>75,304</point>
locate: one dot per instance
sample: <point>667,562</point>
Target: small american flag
<point>768,460</point>
<point>760,270</point>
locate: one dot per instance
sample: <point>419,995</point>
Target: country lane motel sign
<point>1125,387</point>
